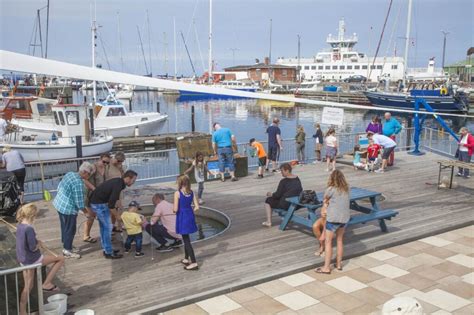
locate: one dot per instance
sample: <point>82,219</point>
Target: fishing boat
<point>72,125</point>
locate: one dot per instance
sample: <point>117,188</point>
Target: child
<point>318,228</point>
<point>262,156</point>
<point>28,253</point>
<point>133,224</point>
<point>200,168</point>
<point>184,198</point>
<point>372,153</point>
<point>358,164</point>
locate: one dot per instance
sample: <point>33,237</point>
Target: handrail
<point>4,272</point>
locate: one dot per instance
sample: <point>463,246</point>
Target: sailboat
<point>442,99</point>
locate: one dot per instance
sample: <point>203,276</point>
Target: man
<point>68,201</point>
<point>222,142</point>
<point>14,162</point>
<point>275,144</point>
<point>103,204</point>
<point>3,128</point>
<point>167,228</point>
<point>388,147</point>
<point>116,169</point>
<point>391,128</point>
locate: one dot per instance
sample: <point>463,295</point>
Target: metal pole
<point>40,36</point>
<point>407,42</point>
<point>47,30</point>
<point>149,43</point>
<point>94,36</point>
<point>120,40</point>
<point>158,107</point>
<point>444,47</point>
<point>174,37</point>
<point>270,49</point>
<point>299,56</point>
<point>193,124</point>
<point>210,42</point>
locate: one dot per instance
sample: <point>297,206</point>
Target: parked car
<point>356,79</point>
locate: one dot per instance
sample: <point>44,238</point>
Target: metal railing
<point>12,296</point>
<point>160,165</point>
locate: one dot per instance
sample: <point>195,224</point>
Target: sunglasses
<point>106,162</point>
<point>120,161</point>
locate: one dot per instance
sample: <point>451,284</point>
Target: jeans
<point>200,189</point>
<point>226,158</point>
<point>68,229</point>
<point>188,248</point>
<point>464,157</point>
<point>102,213</point>
<point>138,238</point>
<point>300,151</point>
<point>159,233</point>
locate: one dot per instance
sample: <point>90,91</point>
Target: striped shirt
<point>71,192</point>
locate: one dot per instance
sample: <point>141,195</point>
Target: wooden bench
<point>368,213</point>
<point>444,164</point>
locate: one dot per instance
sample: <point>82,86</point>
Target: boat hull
<point>185,96</point>
<point>438,103</point>
<point>48,152</point>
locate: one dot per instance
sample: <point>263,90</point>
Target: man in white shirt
<point>3,128</point>
<point>388,147</point>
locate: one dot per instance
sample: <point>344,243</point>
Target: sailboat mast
<point>120,40</point>
<point>143,51</point>
<point>407,43</point>
<point>47,30</point>
<point>174,37</point>
<point>149,43</point>
<point>270,49</point>
<point>94,37</point>
<point>210,42</point>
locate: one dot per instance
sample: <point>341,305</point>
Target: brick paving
<point>437,271</point>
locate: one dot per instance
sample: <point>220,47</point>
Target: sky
<point>241,30</point>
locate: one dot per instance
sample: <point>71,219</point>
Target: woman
<point>300,144</point>
<point>466,148</point>
<point>28,253</point>
<point>319,140</point>
<point>336,212</point>
<point>13,161</point>
<point>98,177</point>
<point>184,199</point>
<point>374,126</point>
<point>289,186</point>
<point>331,149</point>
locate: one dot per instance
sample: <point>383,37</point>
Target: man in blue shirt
<point>391,128</point>
<point>274,144</point>
<point>222,141</point>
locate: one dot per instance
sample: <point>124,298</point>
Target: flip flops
<point>90,240</point>
<point>53,289</point>
<point>320,270</point>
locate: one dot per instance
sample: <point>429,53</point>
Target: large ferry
<point>342,62</point>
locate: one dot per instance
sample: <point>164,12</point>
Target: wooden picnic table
<point>444,164</point>
<point>356,194</point>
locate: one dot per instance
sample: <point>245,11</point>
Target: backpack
<point>308,197</point>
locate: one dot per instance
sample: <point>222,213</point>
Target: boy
<point>372,154</point>
<point>133,224</point>
<point>261,154</point>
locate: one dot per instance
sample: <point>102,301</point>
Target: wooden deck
<point>248,253</point>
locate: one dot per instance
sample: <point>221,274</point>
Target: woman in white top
<point>13,161</point>
<point>331,148</point>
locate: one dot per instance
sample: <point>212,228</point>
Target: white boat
<point>342,61</point>
<point>71,122</point>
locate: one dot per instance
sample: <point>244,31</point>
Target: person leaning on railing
<point>466,148</point>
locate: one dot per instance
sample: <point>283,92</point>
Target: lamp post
<point>444,46</point>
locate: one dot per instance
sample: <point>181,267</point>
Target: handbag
<point>308,197</point>
<point>456,155</point>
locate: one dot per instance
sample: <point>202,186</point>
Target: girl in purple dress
<point>374,126</point>
<point>184,198</point>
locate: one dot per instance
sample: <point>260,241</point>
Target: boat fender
<point>136,131</point>
<point>443,91</point>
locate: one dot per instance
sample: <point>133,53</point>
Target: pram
<point>9,194</point>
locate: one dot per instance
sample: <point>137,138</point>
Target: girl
<point>28,253</point>
<point>300,144</point>
<point>357,161</point>
<point>331,149</point>
<point>200,168</point>
<point>184,198</point>
<point>336,214</point>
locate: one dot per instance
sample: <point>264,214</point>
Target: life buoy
<point>443,91</point>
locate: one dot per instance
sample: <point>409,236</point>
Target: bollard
<point>193,124</point>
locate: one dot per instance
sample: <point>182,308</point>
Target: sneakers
<point>138,255</point>
<point>113,256</point>
<point>164,248</point>
<point>379,171</point>
<point>69,254</point>
<point>201,201</point>
<point>176,244</point>
<point>126,251</point>
<point>75,250</point>
<point>459,174</point>
<point>115,251</point>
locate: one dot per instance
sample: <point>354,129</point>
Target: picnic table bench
<point>356,194</point>
<point>444,164</point>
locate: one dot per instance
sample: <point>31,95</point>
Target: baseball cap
<point>135,204</point>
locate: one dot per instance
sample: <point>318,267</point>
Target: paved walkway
<point>437,271</point>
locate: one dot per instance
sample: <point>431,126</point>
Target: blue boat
<point>446,102</point>
<point>233,85</point>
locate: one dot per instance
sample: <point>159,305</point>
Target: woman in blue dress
<point>184,198</point>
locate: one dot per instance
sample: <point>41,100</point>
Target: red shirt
<point>373,150</point>
<point>470,144</point>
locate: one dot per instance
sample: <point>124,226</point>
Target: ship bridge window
<point>394,67</point>
<point>342,67</point>
<point>313,67</point>
<point>72,117</point>
<point>334,67</point>
<point>119,111</point>
<point>328,67</point>
<point>379,67</point>
<point>306,67</point>
<point>356,67</point>
<point>320,67</point>
<point>18,104</point>
<point>349,67</point>
<point>59,121</point>
<point>44,109</point>
<point>364,67</point>
<point>56,119</point>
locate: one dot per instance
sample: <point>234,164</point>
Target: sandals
<point>53,289</point>
<point>185,262</point>
<point>90,240</point>
<point>266,224</point>
<point>338,268</point>
<point>320,270</point>
<point>192,268</point>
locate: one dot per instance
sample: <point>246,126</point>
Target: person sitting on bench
<point>289,186</point>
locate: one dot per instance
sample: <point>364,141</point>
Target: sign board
<point>332,116</point>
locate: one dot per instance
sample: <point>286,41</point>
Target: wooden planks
<point>247,253</point>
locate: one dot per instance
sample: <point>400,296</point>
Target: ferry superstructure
<point>342,61</point>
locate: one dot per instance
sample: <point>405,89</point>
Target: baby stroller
<point>9,194</point>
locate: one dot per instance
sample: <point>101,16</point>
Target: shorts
<point>277,203</point>
<point>386,152</point>
<point>372,159</point>
<point>360,164</point>
<point>39,261</point>
<point>262,161</point>
<point>333,227</point>
<point>331,152</point>
<point>273,152</point>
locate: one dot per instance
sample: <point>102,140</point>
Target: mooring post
<point>78,149</point>
<point>193,125</point>
<point>130,105</point>
<point>91,119</point>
